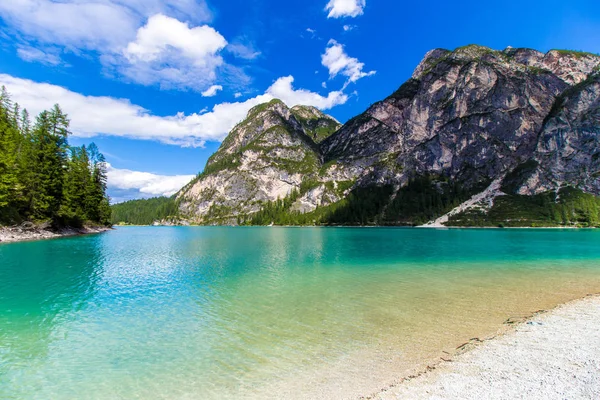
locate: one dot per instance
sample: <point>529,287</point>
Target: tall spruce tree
<point>41,177</point>
<point>97,206</point>
<point>9,137</point>
<point>74,197</point>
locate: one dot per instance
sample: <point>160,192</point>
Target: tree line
<point>42,177</point>
<point>145,211</point>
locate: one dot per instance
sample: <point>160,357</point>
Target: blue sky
<point>157,84</point>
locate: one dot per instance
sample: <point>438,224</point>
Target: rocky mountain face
<point>474,126</point>
<point>266,157</point>
<point>568,150</point>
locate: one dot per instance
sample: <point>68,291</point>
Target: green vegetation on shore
<point>145,211</point>
<point>569,207</point>
<point>422,200</point>
<point>42,177</point>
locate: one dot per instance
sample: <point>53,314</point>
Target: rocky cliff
<point>266,157</point>
<point>473,132</point>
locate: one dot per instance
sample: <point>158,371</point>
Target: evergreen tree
<point>97,206</point>
<point>8,156</point>
<point>41,178</point>
<point>74,197</point>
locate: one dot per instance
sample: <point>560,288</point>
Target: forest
<point>144,211</point>
<point>42,178</point>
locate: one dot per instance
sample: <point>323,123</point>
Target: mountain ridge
<point>524,121</point>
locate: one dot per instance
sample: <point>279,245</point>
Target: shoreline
<point>15,234</point>
<point>527,356</point>
<point>426,227</point>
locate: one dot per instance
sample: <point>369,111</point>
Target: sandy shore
<point>553,355</point>
<point>20,234</point>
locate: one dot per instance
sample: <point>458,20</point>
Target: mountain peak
<point>571,66</point>
<point>275,105</point>
<point>473,120</point>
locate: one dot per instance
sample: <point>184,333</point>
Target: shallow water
<point>192,312</point>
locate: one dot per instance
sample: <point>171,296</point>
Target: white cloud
<point>162,33</point>
<point>345,8</point>
<point>338,62</point>
<point>80,25</point>
<point>144,184</point>
<point>348,28</point>
<point>244,48</point>
<point>312,33</point>
<point>31,54</point>
<point>282,89</point>
<point>212,91</point>
<point>172,54</point>
<point>141,41</point>
<point>237,95</point>
<point>101,25</point>
<point>92,116</point>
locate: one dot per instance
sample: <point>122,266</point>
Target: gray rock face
<point>568,150</point>
<point>264,158</point>
<point>470,116</point>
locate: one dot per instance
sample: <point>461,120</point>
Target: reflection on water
<point>266,312</point>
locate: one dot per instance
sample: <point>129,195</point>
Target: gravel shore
<point>28,233</point>
<point>554,355</point>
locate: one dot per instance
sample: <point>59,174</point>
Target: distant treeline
<point>144,212</point>
<point>42,178</point>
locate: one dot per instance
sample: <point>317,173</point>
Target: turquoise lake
<point>219,312</point>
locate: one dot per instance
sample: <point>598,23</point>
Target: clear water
<point>266,312</point>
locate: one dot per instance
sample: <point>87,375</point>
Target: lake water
<point>217,312</point>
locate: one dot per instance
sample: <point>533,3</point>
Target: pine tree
<point>49,163</point>
<point>41,178</point>
<point>25,160</point>
<point>98,207</point>
<point>77,178</point>
<point>8,159</point>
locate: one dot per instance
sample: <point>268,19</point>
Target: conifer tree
<point>98,207</point>
<point>41,178</point>
<point>77,178</point>
<point>8,145</point>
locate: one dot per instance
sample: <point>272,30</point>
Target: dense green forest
<point>144,212</point>
<point>42,178</point>
<point>423,199</point>
<point>426,198</point>
<point>567,207</point>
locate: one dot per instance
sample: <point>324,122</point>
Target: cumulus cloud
<point>237,95</point>
<point>31,54</point>
<point>142,41</point>
<point>101,25</point>
<point>345,8</point>
<point>92,116</point>
<point>282,89</point>
<point>125,184</point>
<point>162,33</point>
<point>172,54</point>
<point>338,62</point>
<point>212,91</point>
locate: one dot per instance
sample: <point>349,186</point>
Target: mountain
<point>273,154</point>
<point>474,137</point>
